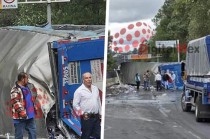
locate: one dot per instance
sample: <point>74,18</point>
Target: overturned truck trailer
<point>55,61</point>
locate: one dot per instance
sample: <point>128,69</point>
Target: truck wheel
<point>185,107</point>
<point>198,109</point>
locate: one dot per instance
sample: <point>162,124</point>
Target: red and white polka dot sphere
<point>131,36</point>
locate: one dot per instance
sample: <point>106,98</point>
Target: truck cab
<point>196,92</point>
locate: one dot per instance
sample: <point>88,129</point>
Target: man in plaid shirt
<point>23,96</point>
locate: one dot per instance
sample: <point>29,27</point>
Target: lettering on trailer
<point>74,72</point>
<point>96,70</point>
<point>200,79</point>
<point>65,75</point>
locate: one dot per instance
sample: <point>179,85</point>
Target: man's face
<point>87,80</point>
<point>25,80</point>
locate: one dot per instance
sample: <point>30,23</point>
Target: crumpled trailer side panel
<point>27,51</point>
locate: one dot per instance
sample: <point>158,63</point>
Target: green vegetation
<point>111,63</point>
<point>78,12</point>
<point>182,20</point>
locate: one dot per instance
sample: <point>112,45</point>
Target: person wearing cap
<point>87,105</point>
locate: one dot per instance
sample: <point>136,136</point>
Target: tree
<point>111,62</point>
<point>7,18</point>
<point>79,12</point>
<point>174,23</point>
<point>199,16</point>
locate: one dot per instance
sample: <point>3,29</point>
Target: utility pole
<point>49,15</point>
<point>158,53</point>
<point>178,54</point>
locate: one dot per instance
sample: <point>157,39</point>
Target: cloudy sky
<point>133,10</point>
<point>130,22</point>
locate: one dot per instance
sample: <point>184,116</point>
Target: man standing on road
<point>147,80</point>
<point>158,81</point>
<point>165,80</point>
<point>87,104</point>
<point>138,80</point>
<point>173,77</point>
<point>23,107</point>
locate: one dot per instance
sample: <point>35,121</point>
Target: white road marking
<point>194,135</point>
<point>162,111</point>
<point>107,127</point>
<point>137,117</point>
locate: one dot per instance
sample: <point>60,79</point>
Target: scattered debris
<point>118,89</point>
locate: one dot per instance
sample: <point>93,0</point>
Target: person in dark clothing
<point>165,79</point>
<point>138,80</point>
<point>147,80</point>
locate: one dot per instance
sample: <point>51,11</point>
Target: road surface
<point>150,115</point>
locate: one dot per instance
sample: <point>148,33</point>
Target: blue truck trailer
<point>197,84</point>
<point>69,60</point>
<point>176,69</point>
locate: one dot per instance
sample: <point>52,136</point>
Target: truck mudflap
<point>72,60</point>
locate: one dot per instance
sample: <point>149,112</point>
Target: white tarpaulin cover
<point>197,58</point>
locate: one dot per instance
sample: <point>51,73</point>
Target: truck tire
<point>185,107</point>
<point>198,106</point>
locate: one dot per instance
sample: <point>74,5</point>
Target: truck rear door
<point>71,60</point>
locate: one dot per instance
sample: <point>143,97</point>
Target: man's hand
<point>99,116</point>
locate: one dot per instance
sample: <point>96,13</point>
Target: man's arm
<point>16,104</point>
<point>76,103</point>
<point>99,103</point>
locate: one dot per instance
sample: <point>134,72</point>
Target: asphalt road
<point>151,115</point>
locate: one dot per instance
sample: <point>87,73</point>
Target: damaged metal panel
<point>129,69</point>
<point>24,51</point>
